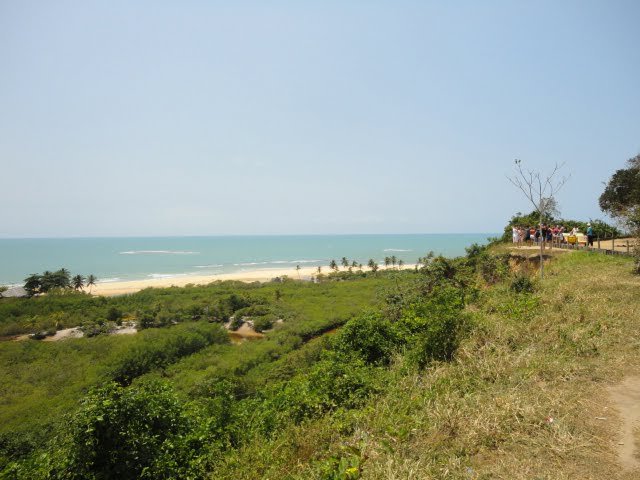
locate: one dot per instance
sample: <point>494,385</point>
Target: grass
<point>522,399</point>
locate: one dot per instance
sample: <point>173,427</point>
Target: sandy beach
<point>108,289</point>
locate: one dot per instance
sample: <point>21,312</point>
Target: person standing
<point>590,235</point>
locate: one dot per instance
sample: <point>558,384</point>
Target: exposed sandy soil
<point>64,335</point>
<point>626,400</point>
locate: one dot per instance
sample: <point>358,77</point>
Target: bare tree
<point>540,190</point>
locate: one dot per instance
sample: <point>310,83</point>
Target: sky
<point>149,118</point>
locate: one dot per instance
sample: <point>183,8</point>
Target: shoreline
<point>110,289</point>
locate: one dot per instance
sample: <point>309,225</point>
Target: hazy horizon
<point>205,119</point>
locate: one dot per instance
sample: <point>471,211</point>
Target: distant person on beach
<point>589,235</point>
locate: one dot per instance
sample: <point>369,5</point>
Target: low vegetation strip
<point>466,368</point>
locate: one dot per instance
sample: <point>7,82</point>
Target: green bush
<point>433,328</point>
<point>162,349</point>
<point>368,336</point>
<point>521,284</point>
<point>126,433</point>
<point>265,322</point>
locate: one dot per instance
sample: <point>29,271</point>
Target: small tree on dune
<point>333,265</point>
<point>394,260</point>
<point>319,270</point>
<point>298,271</point>
<point>78,282</point>
<point>33,284</point>
<point>345,262</point>
<point>400,263</point>
<point>372,265</point>
<point>91,281</point>
<point>387,261</point>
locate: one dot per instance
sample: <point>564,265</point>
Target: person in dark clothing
<point>590,235</point>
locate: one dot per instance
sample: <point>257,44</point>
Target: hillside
<point>463,369</point>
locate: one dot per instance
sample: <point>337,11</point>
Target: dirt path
<point>626,399</point>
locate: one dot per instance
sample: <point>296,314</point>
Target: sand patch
<point>64,334</point>
<point>626,399</point>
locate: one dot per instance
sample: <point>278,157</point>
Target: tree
<point>345,262</point>
<point>621,199</point>
<point>400,263</point>
<point>387,261</point>
<point>540,190</point>
<point>394,260</point>
<point>319,270</point>
<point>372,265</point>
<point>78,282</point>
<point>33,284</point>
<point>298,271</point>
<point>622,193</point>
<point>91,281</point>
<point>63,278</point>
<point>333,265</point>
<point>354,264</point>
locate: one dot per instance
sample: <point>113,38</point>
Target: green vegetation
<point>452,368</point>
<point>59,280</point>
<point>621,199</point>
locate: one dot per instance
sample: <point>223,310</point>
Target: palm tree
<point>91,281</point>
<point>319,270</point>
<point>78,282</point>
<point>63,278</point>
<point>333,265</point>
<point>394,259</point>
<point>345,262</point>
<point>354,264</point>
<point>298,270</point>
<point>47,281</point>
<point>33,284</point>
<point>387,261</point>
<point>400,264</point>
<point>372,265</point>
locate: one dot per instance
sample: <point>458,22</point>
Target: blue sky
<point>183,118</point>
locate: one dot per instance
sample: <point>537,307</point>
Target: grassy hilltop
<point>465,368</point>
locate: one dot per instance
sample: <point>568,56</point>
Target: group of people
<point>549,234</point>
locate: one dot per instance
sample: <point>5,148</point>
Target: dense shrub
<point>265,322</point>
<point>521,284</point>
<point>493,268</point>
<point>369,336</point>
<point>160,350</point>
<point>127,433</point>
<point>433,328</point>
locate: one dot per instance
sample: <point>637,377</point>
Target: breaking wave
<point>158,252</point>
<point>166,275</point>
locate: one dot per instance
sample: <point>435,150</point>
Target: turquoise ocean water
<point>128,258</point>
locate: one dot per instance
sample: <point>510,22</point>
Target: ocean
<point>136,258</point>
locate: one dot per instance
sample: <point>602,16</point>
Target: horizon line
<point>77,237</point>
